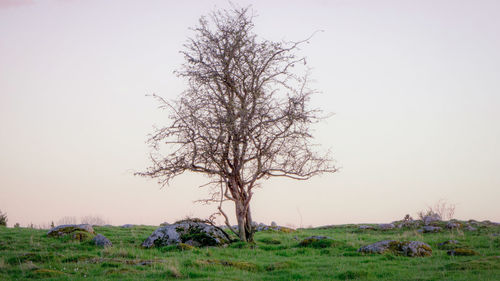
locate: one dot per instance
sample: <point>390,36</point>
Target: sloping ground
<point>27,254</point>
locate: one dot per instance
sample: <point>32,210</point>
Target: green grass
<point>27,254</point>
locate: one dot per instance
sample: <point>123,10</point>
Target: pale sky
<point>414,85</point>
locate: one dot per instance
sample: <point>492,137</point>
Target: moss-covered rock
<point>76,229</point>
<point>449,245</point>
<point>191,232</point>
<point>185,247</point>
<point>317,242</point>
<point>462,252</point>
<point>404,248</point>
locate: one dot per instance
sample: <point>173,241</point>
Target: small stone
<point>449,245</point>
<point>101,241</point>
<point>431,229</point>
<point>317,242</point>
<point>366,227</point>
<point>452,225</point>
<point>431,218</point>
<point>470,228</point>
<point>274,224</point>
<point>462,252</point>
<point>127,225</point>
<point>386,226</point>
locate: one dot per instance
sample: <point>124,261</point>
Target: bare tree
<point>67,220</point>
<point>244,117</point>
<point>93,220</point>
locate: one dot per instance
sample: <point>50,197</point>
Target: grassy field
<point>27,254</point>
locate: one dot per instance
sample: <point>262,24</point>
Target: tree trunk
<point>248,226</point>
<point>245,228</point>
<point>241,218</point>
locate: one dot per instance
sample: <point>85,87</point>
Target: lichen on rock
<point>404,248</point>
<point>78,232</point>
<point>190,232</point>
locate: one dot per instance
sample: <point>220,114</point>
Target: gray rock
<point>274,224</point>
<point>312,241</point>
<point>431,218</point>
<point>386,226</point>
<point>190,232</point>
<point>101,241</point>
<point>448,243</point>
<point>406,248</point>
<point>366,227</point>
<point>470,228</point>
<point>452,225</point>
<point>378,247</point>
<point>431,229</point>
<point>416,249</point>
<point>69,228</point>
<point>127,225</point>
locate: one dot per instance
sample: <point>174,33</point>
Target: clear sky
<point>414,85</point>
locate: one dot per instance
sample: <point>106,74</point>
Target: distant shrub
<point>67,220</point>
<point>443,209</point>
<point>93,220</point>
<point>3,219</point>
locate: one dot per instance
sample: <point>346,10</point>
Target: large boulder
<point>405,248</point>
<point>190,232</point>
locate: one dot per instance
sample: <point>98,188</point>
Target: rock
<point>274,224</point>
<point>406,248</point>
<point>431,229</point>
<point>101,241</point>
<point>470,228</point>
<point>366,227</point>
<point>164,224</point>
<point>462,252</point>
<point>431,218</point>
<point>127,225</point>
<point>316,242</point>
<point>194,233</point>
<point>386,226</point>
<point>65,229</point>
<point>416,249</point>
<point>448,244</point>
<point>453,225</point>
<point>377,248</point>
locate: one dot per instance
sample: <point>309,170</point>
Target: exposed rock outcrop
<point>405,248</point>
<point>194,233</point>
